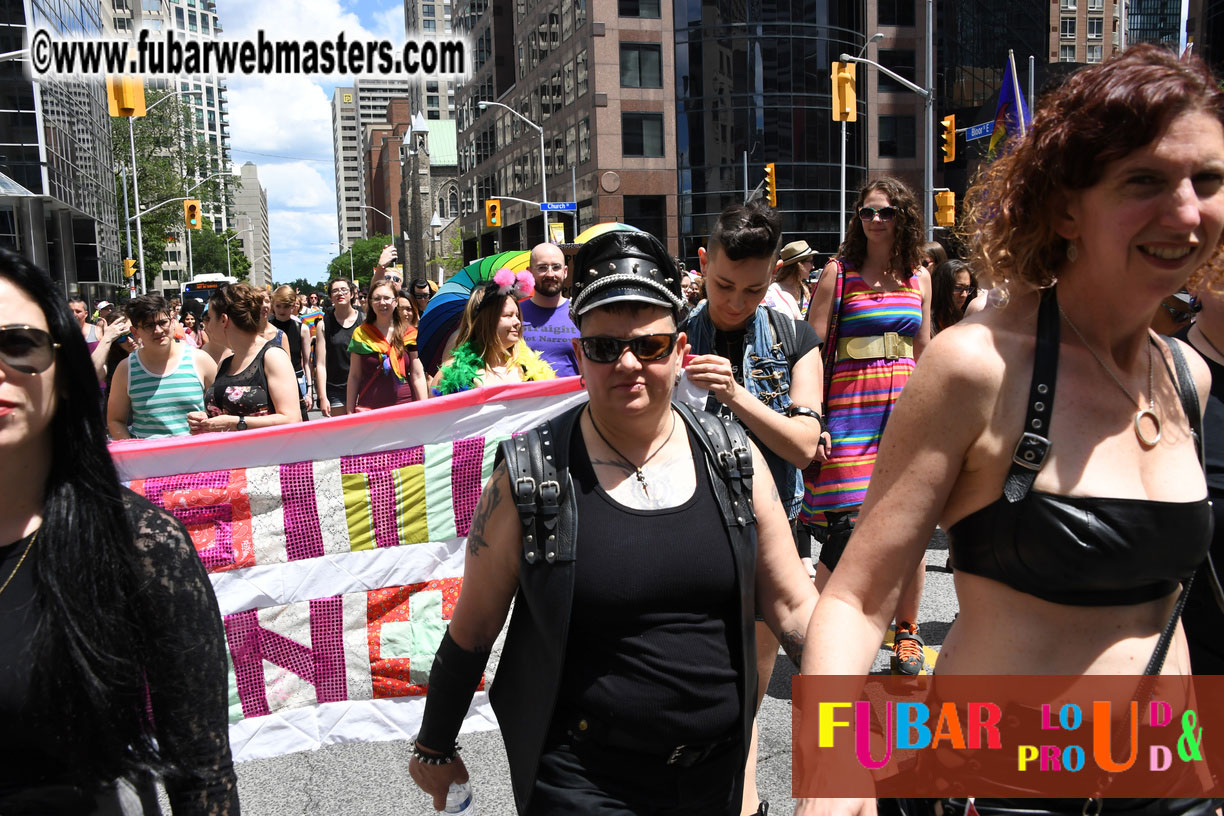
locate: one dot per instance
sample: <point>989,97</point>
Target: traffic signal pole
<point>136,195</point>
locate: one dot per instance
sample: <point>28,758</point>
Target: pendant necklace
<point>1148,412</point>
<point>637,471</point>
<point>20,561</point>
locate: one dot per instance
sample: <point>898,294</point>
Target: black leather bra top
<point>1076,550</point>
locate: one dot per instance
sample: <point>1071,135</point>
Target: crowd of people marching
<point>1042,391</point>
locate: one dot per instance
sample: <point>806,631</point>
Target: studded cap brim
<point>623,286</point>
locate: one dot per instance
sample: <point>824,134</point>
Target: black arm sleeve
<point>186,666</point>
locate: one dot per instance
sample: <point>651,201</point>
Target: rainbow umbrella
<point>599,229</point>
<point>441,316</point>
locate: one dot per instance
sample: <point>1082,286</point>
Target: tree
<point>166,164</point>
<point>208,254</point>
<point>365,255</point>
<point>303,286</point>
<point>452,259</point>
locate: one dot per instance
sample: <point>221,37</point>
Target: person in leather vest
<point>627,682</point>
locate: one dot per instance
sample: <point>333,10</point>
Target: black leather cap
<point>626,265</point>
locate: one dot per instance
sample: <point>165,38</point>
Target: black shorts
<point>336,394</point>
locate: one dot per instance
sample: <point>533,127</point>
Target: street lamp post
<point>928,96</point>
<point>136,185</point>
<point>543,168</point>
<point>228,268</point>
<point>841,202</point>
<point>350,254</point>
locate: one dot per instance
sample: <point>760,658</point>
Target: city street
<point>371,779</point>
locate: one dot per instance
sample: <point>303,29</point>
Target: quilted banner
<point>336,552</point>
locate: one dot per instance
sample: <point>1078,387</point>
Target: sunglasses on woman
<point>647,348</point>
<point>885,213</point>
<point>26,349</point>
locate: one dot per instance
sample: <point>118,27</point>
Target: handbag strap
<point>829,352</point>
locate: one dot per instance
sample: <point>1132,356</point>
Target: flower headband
<point>506,282</point>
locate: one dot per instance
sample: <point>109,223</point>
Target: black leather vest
<point>525,689</point>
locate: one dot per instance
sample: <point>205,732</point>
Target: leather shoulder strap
<point>1188,392</point>
<point>783,328</point>
<point>1033,448</point>
<point>726,448</point>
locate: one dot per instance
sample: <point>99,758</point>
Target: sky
<point>283,123</point>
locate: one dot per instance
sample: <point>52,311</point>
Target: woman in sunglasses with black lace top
<point>112,654</point>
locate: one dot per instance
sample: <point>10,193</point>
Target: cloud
<point>289,19</point>
<point>297,186</point>
<point>287,115</point>
<point>389,23</point>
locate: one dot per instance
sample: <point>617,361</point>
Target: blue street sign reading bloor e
<point>979,131</point>
<point>559,206</point>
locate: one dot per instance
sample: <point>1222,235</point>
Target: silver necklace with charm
<point>637,471</point>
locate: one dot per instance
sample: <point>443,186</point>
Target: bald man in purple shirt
<point>547,327</point>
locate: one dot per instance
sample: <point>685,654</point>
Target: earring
<point>1072,251</point>
<point>582,380</point>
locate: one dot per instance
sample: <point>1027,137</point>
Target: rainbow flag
<point>311,318</point>
<point>1012,114</point>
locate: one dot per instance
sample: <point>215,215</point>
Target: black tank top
<point>293,331</point>
<point>655,619</point>
<point>243,394</point>
<point>1077,550</point>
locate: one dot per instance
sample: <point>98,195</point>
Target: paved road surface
<point>371,779</point>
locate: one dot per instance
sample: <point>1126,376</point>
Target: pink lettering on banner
<point>216,510</point>
<point>378,468</point>
<point>466,463</point>
<point>321,664</point>
<point>303,538</point>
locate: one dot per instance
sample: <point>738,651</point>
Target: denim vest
<point>767,376</point>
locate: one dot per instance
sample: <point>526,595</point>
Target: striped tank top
<point>160,404</point>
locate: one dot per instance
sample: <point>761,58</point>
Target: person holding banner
<point>636,540</point>
<point>383,371</point>
<point>113,660</point>
<point>1052,437</point>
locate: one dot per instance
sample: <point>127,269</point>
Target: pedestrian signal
<point>845,106</point>
<point>945,209</point>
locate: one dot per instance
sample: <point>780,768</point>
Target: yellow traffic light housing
<point>493,213</point>
<point>129,267</point>
<point>771,184</point>
<point>948,139</point>
<point>845,103</point>
<point>191,214</point>
<point>945,209</point>
<point>125,96</point>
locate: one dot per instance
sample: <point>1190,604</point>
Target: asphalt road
<point>371,779</point>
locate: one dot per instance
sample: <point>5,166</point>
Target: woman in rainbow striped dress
<point>872,307</point>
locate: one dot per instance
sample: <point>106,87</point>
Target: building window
<point>584,141</point>
<point>638,8</point>
<point>427,11</point>
<point>429,25</point>
<point>1068,5</point>
<point>1096,28</point>
<point>899,61</point>
<point>1094,53</point>
<point>641,65</point>
<point>642,134</point>
<point>895,13</point>
<point>1067,28</point>
<point>1066,53</point>
<point>580,63</point>
<point>898,137</point>
<point>1096,5</point>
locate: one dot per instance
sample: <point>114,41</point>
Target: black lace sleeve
<point>186,665</point>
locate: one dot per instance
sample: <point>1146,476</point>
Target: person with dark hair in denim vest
<point>762,368</point>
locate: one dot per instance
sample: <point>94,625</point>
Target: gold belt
<point>888,346</point>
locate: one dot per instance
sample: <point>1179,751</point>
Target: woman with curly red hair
<point>1052,436</point>
<point>872,309</point>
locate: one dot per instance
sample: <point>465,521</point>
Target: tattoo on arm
<point>489,499</point>
<point>773,492</point>
<point>792,642</point>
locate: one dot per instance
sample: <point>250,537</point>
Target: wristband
<point>433,759</point>
<point>453,680</point>
<point>799,410</point>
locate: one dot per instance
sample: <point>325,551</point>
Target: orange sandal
<point>909,650</point>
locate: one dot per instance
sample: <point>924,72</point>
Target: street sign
<point>559,206</point>
<point>979,131</point>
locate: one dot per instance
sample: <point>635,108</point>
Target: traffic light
<point>771,184</point>
<point>191,214</point>
<point>948,137</point>
<point>129,267</point>
<point>945,209</point>
<point>493,212</point>
<point>125,96</point>
<point>845,107</point>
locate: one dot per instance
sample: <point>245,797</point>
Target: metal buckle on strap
<point>521,493</point>
<point>675,754</point>
<point>1031,451</point>
<point>893,347</point>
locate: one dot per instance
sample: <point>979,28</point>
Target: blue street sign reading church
<point>559,206</point>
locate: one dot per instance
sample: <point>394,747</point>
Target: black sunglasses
<point>26,349</point>
<point>885,213</point>
<point>647,347</point>
<point>1178,315</point>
